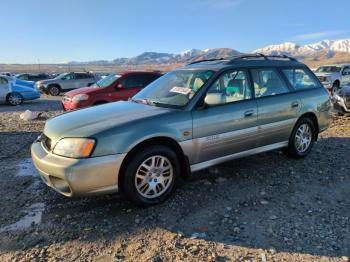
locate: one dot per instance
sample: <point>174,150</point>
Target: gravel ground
<point>261,208</point>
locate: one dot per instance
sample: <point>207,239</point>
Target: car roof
<point>244,61</point>
<point>336,65</point>
<point>139,72</point>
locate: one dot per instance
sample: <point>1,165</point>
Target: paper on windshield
<point>181,90</point>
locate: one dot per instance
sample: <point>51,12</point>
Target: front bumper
<point>42,89</point>
<point>339,105</point>
<point>77,177</point>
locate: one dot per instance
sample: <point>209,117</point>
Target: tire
<point>335,87</point>
<point>340,114</point>
<point>296,149</point>
<point>54,90</point>
<point>142,185</point>
<point>14,99</point>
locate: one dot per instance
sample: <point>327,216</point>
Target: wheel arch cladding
<point>163,141</point>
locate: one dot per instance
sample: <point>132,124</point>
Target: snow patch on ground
<point>26,168</point>
<point>34,214</point>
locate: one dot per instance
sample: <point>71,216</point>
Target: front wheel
<point>151,175</point>
<point>301,139</point>
<point>54,90</point>
<point>335,87</point>
<point>14,99</point>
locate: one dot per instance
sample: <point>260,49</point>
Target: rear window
<point>82,76</point>
<point>300,79</point>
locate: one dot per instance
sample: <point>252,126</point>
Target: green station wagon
<point>191,118</point>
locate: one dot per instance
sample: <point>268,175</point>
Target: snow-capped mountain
<point>182,57</point>
<point>326,49</point>
<point>289,48</point>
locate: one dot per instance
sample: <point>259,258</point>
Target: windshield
<point>328,69</point>
<point>106,81</point>
<point>175,89</point>
<point>61,75</point>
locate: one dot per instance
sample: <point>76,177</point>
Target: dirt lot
<point>261,208</point>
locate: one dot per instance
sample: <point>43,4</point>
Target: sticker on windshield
<point>181,90</point>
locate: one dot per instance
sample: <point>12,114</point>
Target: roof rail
<point>234,58</point>
<point>209,60</point>
<point>259,55</point>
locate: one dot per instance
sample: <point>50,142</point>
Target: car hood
<point>91,121</point>
<point>48,81</point>
<point>83,90</point>
<point>325,74</point>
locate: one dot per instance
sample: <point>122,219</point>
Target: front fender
<point>177,126</point>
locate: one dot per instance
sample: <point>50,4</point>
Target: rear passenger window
<point>300,79</point>
<point>133,81</point>
<point>267,82</point>
<point>82,76</point>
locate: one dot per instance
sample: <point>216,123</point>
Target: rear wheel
<point>54,90</point>
<point>151,175</point>
<point>301,139</point>
<point>14,99</point>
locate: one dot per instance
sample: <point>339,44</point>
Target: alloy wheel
<point>154,176</point>
<point>15,99</point>
<point>303,138</point>
<point>54,91</point>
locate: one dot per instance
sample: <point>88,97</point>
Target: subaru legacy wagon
<point>189,119</point>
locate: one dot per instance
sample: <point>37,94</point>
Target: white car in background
<point>334,77</point>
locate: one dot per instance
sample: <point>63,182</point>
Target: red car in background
<point>114,87</point>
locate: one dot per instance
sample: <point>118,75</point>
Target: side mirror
<point>345,73</point>
<point>212,99</point>
<point>202,105</point>
<point>120,86</point>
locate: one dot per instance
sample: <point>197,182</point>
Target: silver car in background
<point>189,119</point>
<point>66,81</point>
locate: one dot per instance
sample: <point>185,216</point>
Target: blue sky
<point>82,30</point>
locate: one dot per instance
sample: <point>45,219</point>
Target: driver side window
<point>232,86</point>
<point>346,70</point>
<point>68,77</point>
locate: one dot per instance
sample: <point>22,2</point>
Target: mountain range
<point>332,50</point>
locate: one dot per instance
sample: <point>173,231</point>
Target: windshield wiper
<point>153,103</point>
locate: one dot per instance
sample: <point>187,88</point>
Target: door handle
<point>248,113</point>
<point>295,104</point>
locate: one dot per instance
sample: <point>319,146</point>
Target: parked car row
<point>114,87</point>
<point>191,118</point>
<point>14,91</point>
<point>82,89</point>
<point>334,77</point>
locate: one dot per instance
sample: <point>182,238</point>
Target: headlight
<point>80,97</point>
<point>74,147</point>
